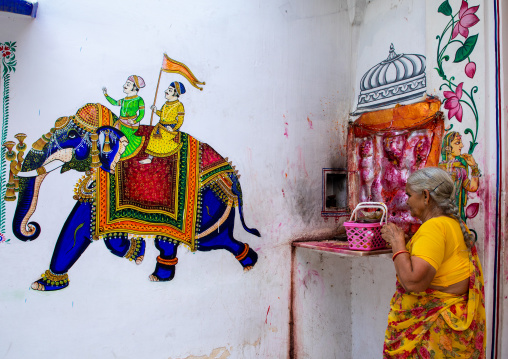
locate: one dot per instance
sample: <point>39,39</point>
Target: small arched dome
<point>398,78</point>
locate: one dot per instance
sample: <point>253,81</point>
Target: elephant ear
<point>111,145</point>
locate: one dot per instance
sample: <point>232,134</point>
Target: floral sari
<point>433,324</point>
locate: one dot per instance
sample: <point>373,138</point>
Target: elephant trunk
<point>27,202</point>
<point>30,181</point>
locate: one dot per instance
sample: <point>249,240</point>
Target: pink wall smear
<point>309,121</point>
<point>286,127</point>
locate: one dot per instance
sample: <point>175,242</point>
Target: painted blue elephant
<point>88,142</point>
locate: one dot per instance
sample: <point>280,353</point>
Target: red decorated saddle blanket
<point>159,198</point>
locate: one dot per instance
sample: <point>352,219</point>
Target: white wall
<point>270,67</point>
<point>322,305</point>
<point>386,22</point>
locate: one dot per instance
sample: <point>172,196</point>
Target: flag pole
<point>155,99</point>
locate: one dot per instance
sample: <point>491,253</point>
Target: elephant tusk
<point>42,170</point>
<point>56,160</point>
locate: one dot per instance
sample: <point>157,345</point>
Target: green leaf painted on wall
<point>445,8</point>
<point>465,50</point>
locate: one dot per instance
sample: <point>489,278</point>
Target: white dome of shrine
<point>399,78</point>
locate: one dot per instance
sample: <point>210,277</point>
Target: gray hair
<point>442,191</point>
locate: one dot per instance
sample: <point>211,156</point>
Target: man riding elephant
<point>162,139</point>
<point>132,111</point>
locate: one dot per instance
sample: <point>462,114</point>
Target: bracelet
<point>475,172</point>
<point>399,252</point>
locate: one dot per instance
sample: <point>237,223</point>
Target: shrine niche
<point>385,147</point>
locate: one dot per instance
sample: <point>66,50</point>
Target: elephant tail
<point>237,190</point>
<point>253,231</point>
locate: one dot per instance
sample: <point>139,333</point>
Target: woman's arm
<point>415,274</point>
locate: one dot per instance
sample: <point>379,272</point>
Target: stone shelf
<point>341,248</point>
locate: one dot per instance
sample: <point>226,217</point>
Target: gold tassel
<point>94,152</point>
<point>107,147</point>
<point>39,144</point>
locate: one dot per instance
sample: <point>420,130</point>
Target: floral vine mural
<point>456,40</point>
<point>8,57</point>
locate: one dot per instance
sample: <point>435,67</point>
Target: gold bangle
<point>399,252</point>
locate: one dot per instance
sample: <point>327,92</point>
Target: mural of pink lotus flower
<point>467,18</point>
<point>452,103</point>
<point>472,210</point>
<point>470,69</point>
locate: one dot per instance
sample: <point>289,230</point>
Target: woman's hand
<point>394,235</point>
<point>469,160</point>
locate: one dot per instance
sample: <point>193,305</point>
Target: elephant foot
<point>247,258</point>
<point>136,251</point>
<point>51,281</point>
<point>164,270</point>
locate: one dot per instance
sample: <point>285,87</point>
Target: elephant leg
<point>120,245</point>
<point>223,238</point>
<point>72,242</point>
<point>166,261</point>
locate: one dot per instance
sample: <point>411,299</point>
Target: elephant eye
<point>72,134</point>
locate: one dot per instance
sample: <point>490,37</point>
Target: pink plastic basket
<point>366,236</point>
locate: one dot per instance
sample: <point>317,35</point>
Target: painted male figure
<point>162,139</point>
<point>132,111</point>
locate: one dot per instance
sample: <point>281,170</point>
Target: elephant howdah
<point>187,198</point>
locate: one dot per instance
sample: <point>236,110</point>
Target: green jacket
<point>130,107</point>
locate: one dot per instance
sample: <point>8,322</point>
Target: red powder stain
<point>286,130</point>
<point>484,192</point>
<point>310,123</point>
<point>268,311</point>
<point>283,194</point>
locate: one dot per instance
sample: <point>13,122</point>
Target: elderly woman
<point>438,309</point>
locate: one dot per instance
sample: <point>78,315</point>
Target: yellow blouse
<point>439,242</point>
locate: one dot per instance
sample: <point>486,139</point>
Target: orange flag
<point>169,65</point>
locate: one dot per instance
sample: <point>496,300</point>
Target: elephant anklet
<point>136,251</point>
<point>51,281</point>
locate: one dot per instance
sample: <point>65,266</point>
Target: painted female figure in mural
<point>132,111</point>
<point>457,165</point>
<point>162,139</point>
